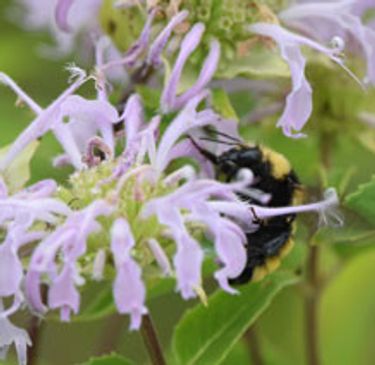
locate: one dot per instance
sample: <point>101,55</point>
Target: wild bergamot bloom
<point>243,29</point>
<point>126,214</point>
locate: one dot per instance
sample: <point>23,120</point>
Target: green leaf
<point>100,305</point>
<point>280,329</point>
<point>18,173</point>
<point>347,314</point>
<point>239,355</point>
<point>205,335</point>
<point>222,105</point>
<point>112,359</point>
<point>362,201</point>
<point>355,237</point>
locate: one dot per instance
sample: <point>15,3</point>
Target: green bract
<point>17,175</point>
<point>97,183</point>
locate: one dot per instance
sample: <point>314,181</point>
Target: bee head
<point>237,158</point>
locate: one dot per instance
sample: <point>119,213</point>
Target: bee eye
<point>250,157</point>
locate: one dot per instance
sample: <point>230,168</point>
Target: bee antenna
<point>210,156</point>
<point>222,134</point>
<point>228,143</point>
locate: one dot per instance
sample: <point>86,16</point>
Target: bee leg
<point>256,219</point>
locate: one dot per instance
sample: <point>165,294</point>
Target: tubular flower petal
<point>63,293</point>
<point>188,263</point>
<point>61,14</point>
<point>187,120</point>
<point>89,116</point>
<point>160,256</point>
<point>298,106</point>
<point>3,189</point>
<point>10,334</point>
<point>326,21</point>
<point>128,289</point>
<point>133,118</point>
<point>133,54</point>
<point>70,239</point>
<point>11,272</point>
<point>43,261</point>
<point>229,244</point>
<point>6,80</point>
<point>188,45</point>
<point>208,70</point>
<point>99,265</point>
<point>161,40</point>
<point>194,197</point>
<point>43,122</point>
<point>324,208</point>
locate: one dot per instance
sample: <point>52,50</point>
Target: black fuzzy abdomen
<point>266,242</point>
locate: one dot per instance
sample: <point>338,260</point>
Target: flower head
<point>132,209</point>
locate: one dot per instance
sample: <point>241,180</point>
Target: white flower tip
<point>328,214</point>
<point>337,43</point>
<point>76,73</point>
<point>330,196</point>
<point>287,130</point>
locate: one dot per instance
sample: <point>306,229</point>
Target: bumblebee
<point>273,175</point>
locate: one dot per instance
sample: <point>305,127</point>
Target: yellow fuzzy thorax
<point>280,166</point>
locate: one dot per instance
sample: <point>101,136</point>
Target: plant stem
<point>151,340</point>
<point>35,331</point>
<point>312,307</point>
<point>312,299</point>
<point>253,345</point>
